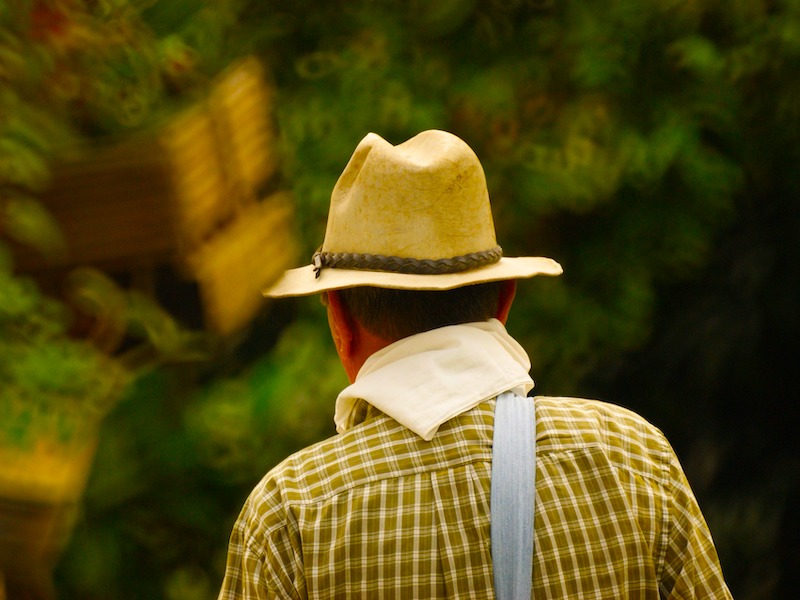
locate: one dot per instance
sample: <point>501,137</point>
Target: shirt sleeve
<point>263,560</point>
<point>691,565</point>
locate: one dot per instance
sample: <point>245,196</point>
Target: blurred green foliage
<point>620,137</point>
<point>53,387</point>
<point>72,72</point>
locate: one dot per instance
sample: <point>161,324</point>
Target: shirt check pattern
<point>378,512</point>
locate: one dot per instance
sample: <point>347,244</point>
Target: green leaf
<point>30,223</point>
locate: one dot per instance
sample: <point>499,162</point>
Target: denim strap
<point>513,495</point>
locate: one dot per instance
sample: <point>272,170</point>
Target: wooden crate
<point>40,490</point>
<point>164,193</point>
<point>188,194</point>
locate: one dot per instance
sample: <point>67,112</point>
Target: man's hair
<point>396,314</point>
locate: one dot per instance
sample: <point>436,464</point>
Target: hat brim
<point>303,281</point>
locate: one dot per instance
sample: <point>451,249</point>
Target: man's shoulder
<point>376,449</point>
<point>591,412</point>
<point>630,440</point>
<point>307,473</point>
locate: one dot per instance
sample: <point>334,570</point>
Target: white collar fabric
<point>427,379</point>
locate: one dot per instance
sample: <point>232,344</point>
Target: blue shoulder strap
<point>513,495</point>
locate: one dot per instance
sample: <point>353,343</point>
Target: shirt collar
<point>427,379</point>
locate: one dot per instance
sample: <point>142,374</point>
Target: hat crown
<point>423,199</point>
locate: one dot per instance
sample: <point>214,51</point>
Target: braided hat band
<point>397,264</point>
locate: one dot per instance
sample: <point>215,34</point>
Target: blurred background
<point>163,160</point>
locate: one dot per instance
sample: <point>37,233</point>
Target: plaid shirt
<point>379,512</point>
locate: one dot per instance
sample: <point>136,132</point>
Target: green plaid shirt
<point>378,512</point>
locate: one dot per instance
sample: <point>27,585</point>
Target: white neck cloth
<point>427,379</point>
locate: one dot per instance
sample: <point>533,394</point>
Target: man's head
<point>409,246</point>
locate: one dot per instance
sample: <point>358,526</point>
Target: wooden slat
<point>242,106</point>
<point>48,473</point>
<point>235,266</point>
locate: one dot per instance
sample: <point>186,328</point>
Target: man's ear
<point>508,289</point>
<point>341,324</point>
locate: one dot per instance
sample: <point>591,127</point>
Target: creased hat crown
<point>424,199</point>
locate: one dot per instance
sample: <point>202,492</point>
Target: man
<point>397,505</point>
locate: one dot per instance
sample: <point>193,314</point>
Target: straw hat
<point>413,216</point>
